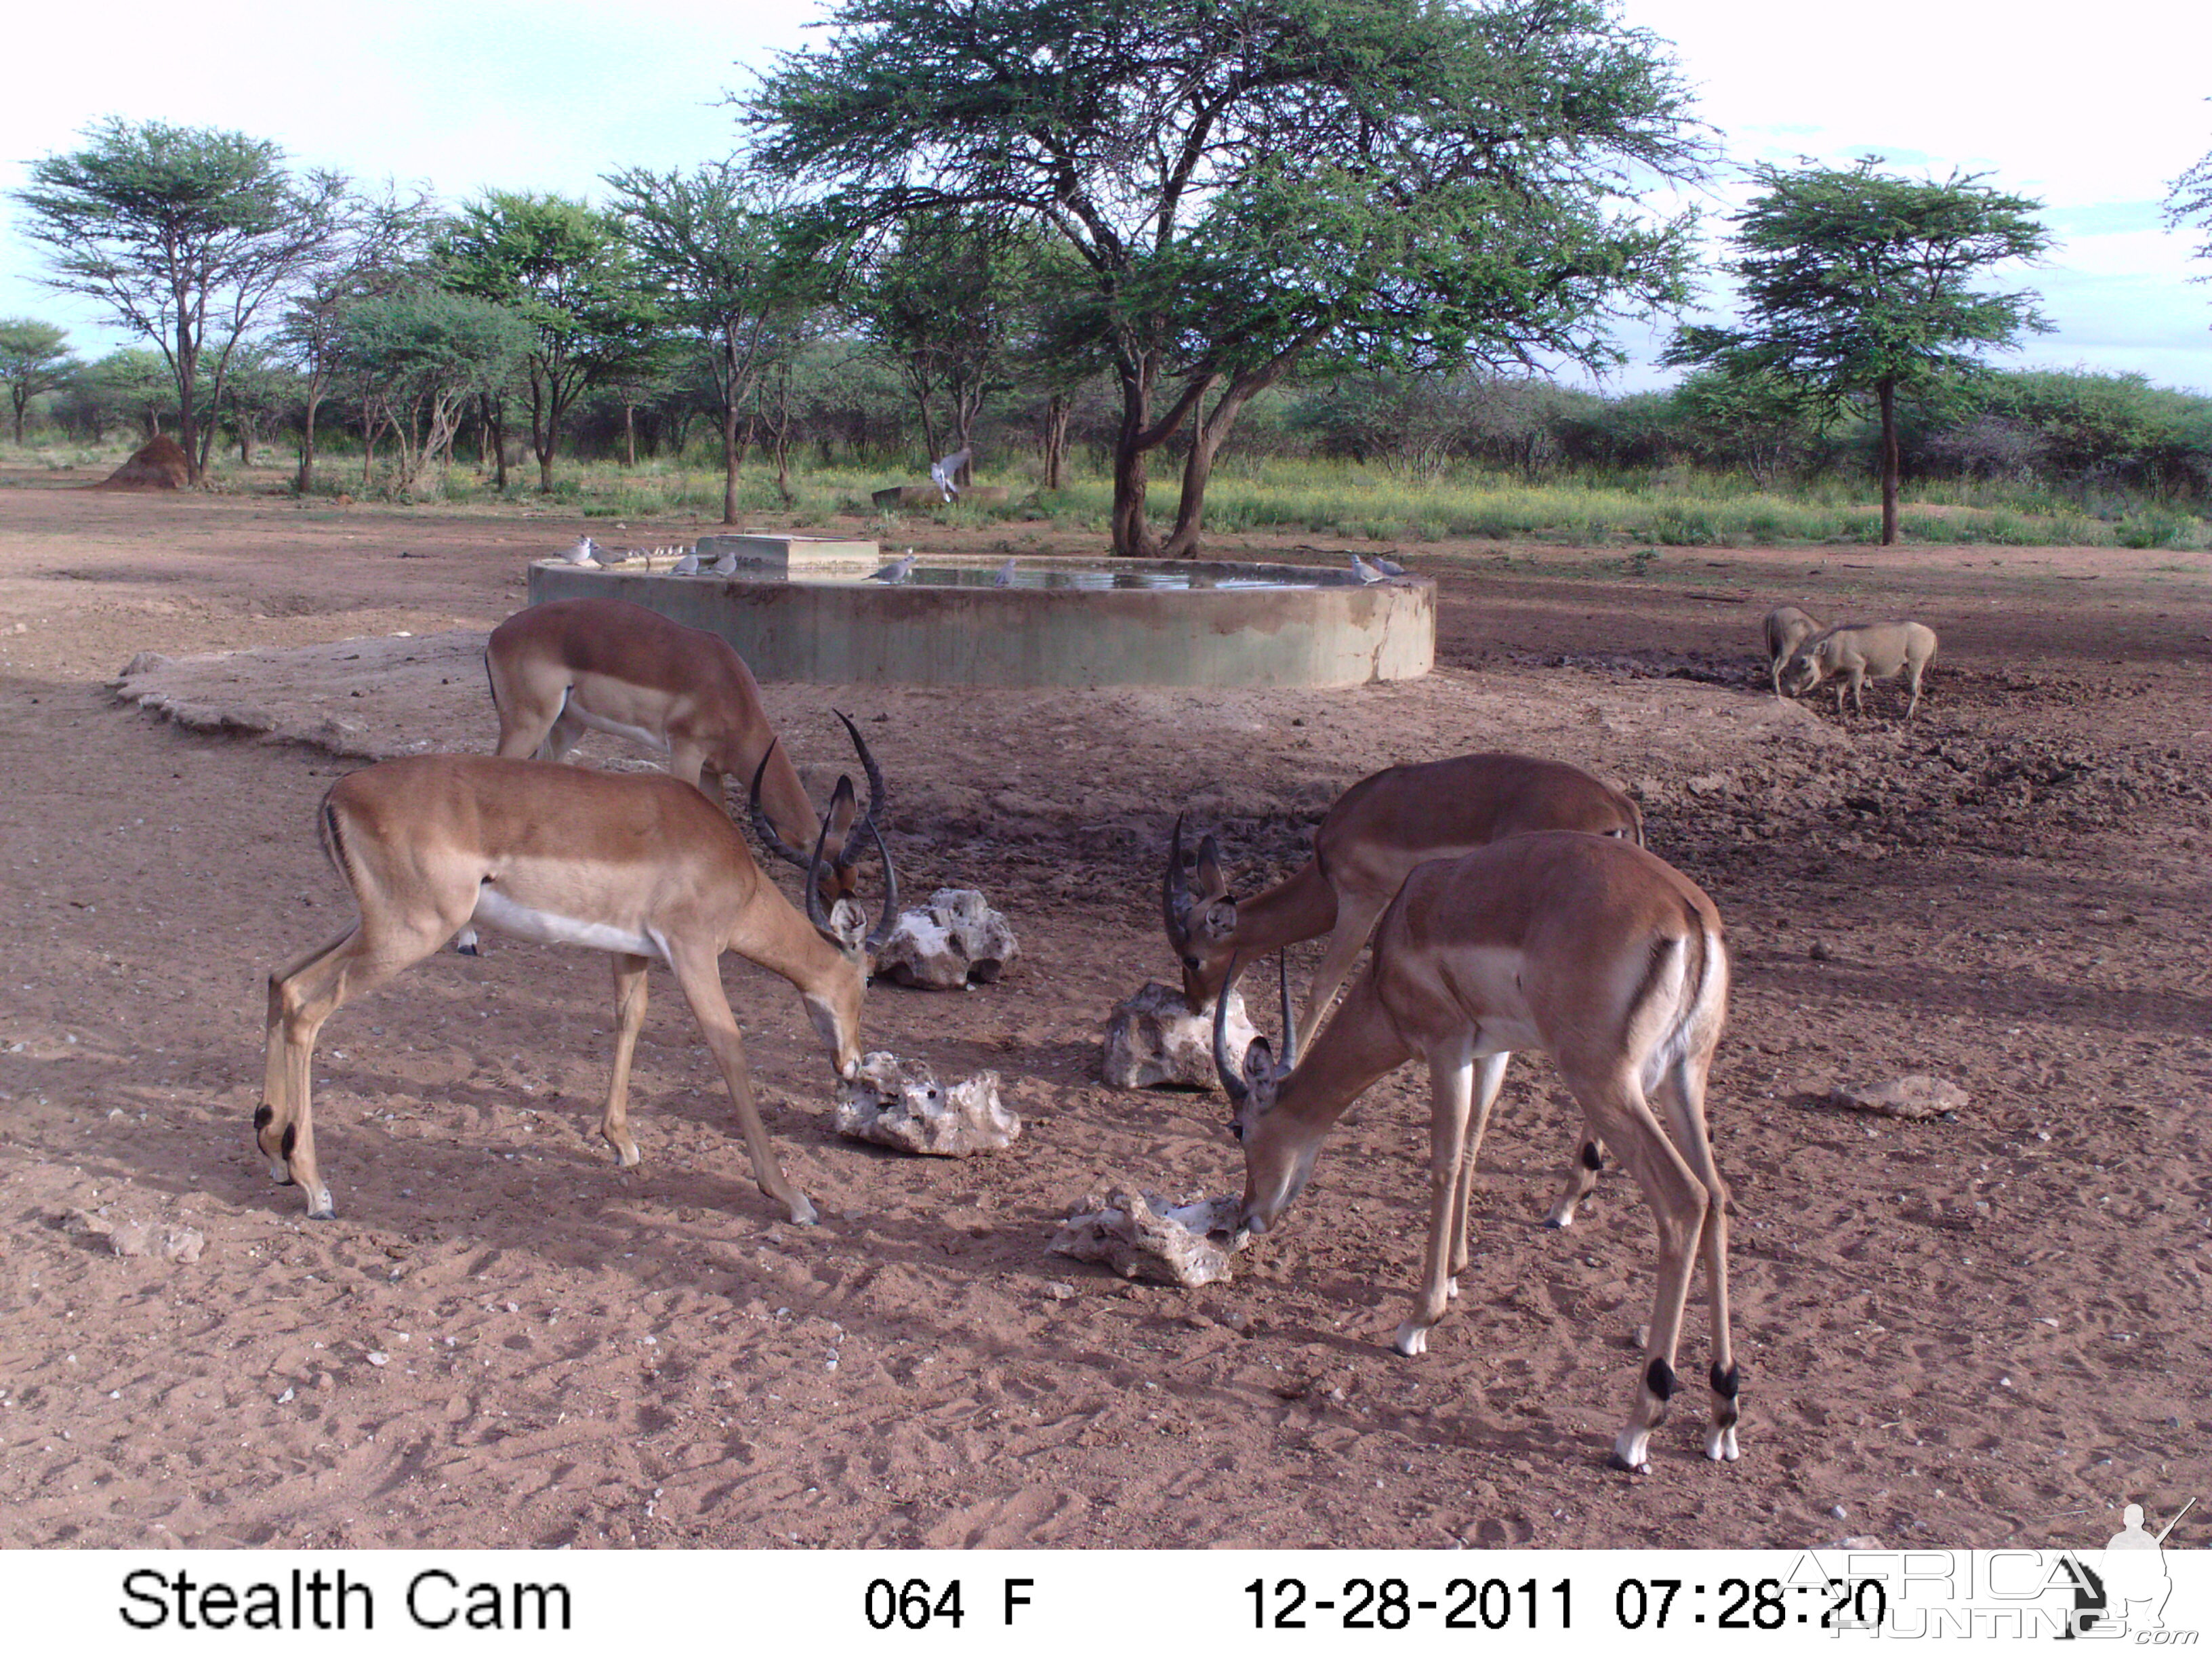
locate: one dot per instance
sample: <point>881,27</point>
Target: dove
<point>686,566</point>
<point>898,569</point>
<point>1005,576</point>
<point>941,472</point>
<point>584,552</point>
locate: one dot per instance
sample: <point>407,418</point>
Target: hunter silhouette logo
<point>2126,1590</point>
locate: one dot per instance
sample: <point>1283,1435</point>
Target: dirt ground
<point>1986,1331</point>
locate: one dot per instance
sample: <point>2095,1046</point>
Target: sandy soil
<point>1984,1331</point>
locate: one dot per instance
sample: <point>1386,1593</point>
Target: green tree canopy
<point>565,269</point>
<point>419,356</point>
<point>719,250</point>
<point>34,357</point>
<point>945,303</point>
<point>1401,182</point>
<point>1857,285</point>
<point>185,233</point>
<point>377,247</point>
<point>2190,202</point>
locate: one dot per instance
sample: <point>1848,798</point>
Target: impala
<point>563,668</point>
<point>1592,949</point>
<point>1374,836</point>
<point>640,864</point>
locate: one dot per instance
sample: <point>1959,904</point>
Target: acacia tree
<point>419,358</point>
<point>377,241</point>
<point>726,269</point>
<point>945,302</point>
<point>34,357</point>
<point>1405,182</point>
<point>185,233</point>
<point>1857,286</point>
<point>564,268</point>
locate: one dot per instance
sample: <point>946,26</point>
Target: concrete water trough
<point>806,610</point>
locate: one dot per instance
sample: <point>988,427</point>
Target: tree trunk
<point>1131,536</point>
<point>1057,413</point>
<point>730,464</point>
<point>1887,392</point>
<point>1210,432</point>
<point>629,436</point>
<point>187,386</point>
<point>19,400</point>
<point>306,480</point>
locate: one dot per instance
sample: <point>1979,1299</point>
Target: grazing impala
<point>560,668</point>
<point>1592,949</point>
<point>641,865</point>
<point>1372,838</point>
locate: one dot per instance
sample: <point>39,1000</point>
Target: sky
<point>2094,119</point>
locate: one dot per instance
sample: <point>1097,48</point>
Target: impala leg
<point>688,761</point>
<point>630,1018</point>
<point>1619,1114</point>
<point>1684,1100</point>
<point>1355,921</point>
<point>302,996</point>
<point>1580,1182</point>
<point>701,981</point>
<point>1451,1085</point>
<point>1488,1079</point>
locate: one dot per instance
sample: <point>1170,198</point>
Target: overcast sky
<point>2094,120</point>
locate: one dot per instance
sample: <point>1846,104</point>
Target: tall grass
<point>1671,507</point>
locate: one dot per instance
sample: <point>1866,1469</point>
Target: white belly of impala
<point>494,909</point>
<point>656,741</point>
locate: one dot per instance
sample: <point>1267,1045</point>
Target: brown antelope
<point>571,665</point>
<point>1374,836</point>
<point>641,865</point>
<point>1592,949</point>
<point>1785,628</point>
<point>1859,652</point>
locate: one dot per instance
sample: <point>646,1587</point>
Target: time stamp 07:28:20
<point>1637,1604</point>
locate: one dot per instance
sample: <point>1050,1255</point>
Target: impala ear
<point>1207,881</point>
<point>1219,920</point>
<point>849,922</point>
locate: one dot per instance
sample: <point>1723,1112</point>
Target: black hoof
<point>1615,1460</point>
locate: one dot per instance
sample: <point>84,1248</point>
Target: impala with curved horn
<point>571,665</point>
<point>1594,950</point>
<point>639,864</point>
<point>1373,836</point>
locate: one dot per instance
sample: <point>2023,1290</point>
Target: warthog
<point>1862,651</point>
<point>1786,628</point>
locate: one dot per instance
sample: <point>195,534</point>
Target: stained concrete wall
<point>865,632</point>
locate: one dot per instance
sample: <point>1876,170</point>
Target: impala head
<point>844,924</point>
<point>1278,1158</point>
<point>1201,921</point>
<point>837,879</point>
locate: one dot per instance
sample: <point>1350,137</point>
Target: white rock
<point>1915,1097</point>
<point>957,939</point>
<point>896,1102</point>
<point>1152,1039</point>
<point>1139,1235</point>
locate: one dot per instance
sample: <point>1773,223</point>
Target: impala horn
<point>850,853</point>
<point>762,827</point>
<point>1289,1025</point>
<point>816,911</point>
<point>1173,900</point>
<point>1233,1077</point>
